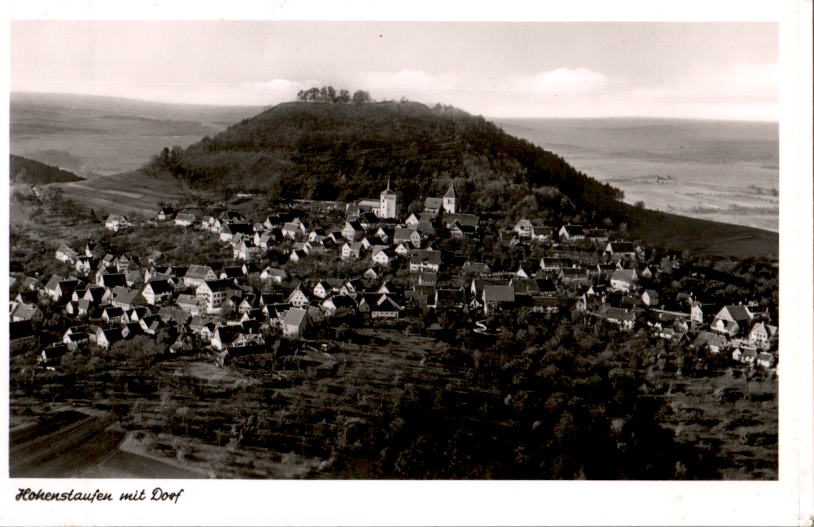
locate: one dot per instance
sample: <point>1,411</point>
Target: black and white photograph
<point>402,250</point>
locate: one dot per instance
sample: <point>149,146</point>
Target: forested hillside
<point>346,151</point>
<point>22,170</point>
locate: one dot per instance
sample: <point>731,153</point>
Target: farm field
<point>127,193</point>
<point>713,170</point>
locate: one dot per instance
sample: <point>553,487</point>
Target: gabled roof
<point>219,285</point>
<point>295,316</point>
<point>433,203</point>
<point>624,275</point>
<point>199,272</point>
<point>621,247</point>
<point>498,293</point>
<point>739,313</point>
<point>450,192</point>
<point>160,287</point>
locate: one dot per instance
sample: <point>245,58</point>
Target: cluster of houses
<point>584,273</point>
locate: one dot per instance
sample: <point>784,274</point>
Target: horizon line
<point>270,105</point>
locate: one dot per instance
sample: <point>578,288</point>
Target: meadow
<point>712,170</point>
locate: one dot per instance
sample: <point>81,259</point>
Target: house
<point>541,233</point>
<point>496,297</point>
<point>732,320</point>
<point>339,306</point>
<point>185,219</point>
<point>570,233</point>
<point>385,307</point>
<point>66,254</point>
<point>296,255</point>
<point>623,279</point>
<point>765,359</point>
<point>476,268</point>
<point>763,335</point>
<point>597,235</point>
<point>26,312</point>
<point>114,222</point>
<point>198,274</point>
<point>157,291</point>
<point>51,355</point>
<point>227,337</point>
<point>650,297</point>
<point>383,256</point>
<point>425,260</point>
<point>59,290</point>
<point>449,299</point>
<point>297,298</point>
<point>574,275</point>
<point>273,274</point>
<point>111,280</point>
<point>107,337</point>
<point>427,278</point>
<point>352,231</point>
<point>124,297</point>
<point>469,222</point>
<point>433,205</point>
<point>233,272</point>
<point>165,213</point>
<point>295,322</point>
<point>403,249</point>
<point>523,228</point>
<point>322,289</point>
<point>351,250</point>
<point>711,341</point>
<point>624,318</point>
<point>114,315</point>
<point>554,263</point>
<point>215,293</point>
<point>407,235</point>
<point>620,250</point>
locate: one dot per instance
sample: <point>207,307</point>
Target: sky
<point>707,70</point>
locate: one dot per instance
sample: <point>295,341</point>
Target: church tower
<point>387,202</point>
<point>449,200</point>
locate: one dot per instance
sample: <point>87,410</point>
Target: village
<point>406,281</point>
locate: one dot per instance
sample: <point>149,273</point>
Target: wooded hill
<point>24,170</point>
<point>331,151</point>
<point>347,151</point>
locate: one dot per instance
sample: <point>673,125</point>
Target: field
<point>127,193</point>
<point>93,136</point>
<point>719,171</point>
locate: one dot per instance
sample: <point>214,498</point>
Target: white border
<point>786,502</point>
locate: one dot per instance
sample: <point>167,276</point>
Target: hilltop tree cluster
<point>330,95</point>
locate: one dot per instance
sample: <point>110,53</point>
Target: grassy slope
<point>703,237</point>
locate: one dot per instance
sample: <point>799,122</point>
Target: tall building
<point>387,202</point>
<point>449,200</point>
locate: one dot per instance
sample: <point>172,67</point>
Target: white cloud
<point>411,80</point>
<point>567,80</point>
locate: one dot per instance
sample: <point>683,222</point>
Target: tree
<point>361,97</point>
<point>344,96</point>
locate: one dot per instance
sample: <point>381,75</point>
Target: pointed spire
<point>388,183</point>
<point>451,191</point>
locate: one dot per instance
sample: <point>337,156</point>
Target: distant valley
<point>715,170</point>
<point>99,136</point>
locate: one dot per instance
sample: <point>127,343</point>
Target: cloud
<point>411,80</point>
<point>579,80</point>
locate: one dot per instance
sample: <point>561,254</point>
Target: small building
<point>295,322</point>
<point>114,222</point>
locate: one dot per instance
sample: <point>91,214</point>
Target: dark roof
<point>160,286</point>
<point>21,329</point>
<point>220,285</point>
<point>498,293</point>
